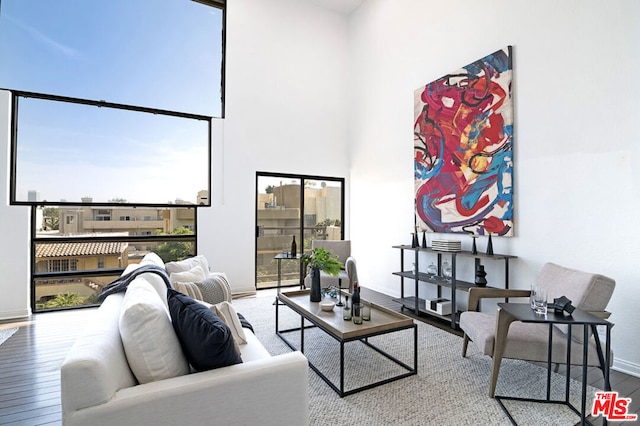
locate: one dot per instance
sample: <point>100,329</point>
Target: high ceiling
<point>341,6</point>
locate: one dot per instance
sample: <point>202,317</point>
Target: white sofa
<point>98,386</point>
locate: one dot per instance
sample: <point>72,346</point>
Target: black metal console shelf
<point>417,304</point>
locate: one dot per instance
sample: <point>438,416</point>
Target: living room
<point>321,92</point>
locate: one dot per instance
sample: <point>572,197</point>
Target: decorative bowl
<point>327,306</point>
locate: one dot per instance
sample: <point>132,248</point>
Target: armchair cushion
<point>525,341</point>
<point>587,291</point>
<point>341,248</point>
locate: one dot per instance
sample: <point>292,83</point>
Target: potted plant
<point>321,259</point>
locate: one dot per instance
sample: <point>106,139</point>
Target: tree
<point>172,251</point>
<point>51,218</point>
<point>64,300</point>
<point>269,189</point>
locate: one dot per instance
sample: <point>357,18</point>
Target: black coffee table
<point>382,321</point>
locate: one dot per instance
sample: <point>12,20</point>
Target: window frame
<point>17,94</point>
<point>99,272</point>
<point>301,224</point>
<point>35,204</point>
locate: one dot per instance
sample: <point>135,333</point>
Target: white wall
<point>286,73</point>
<point>291,109</point>
<point>577,105</point>
<point>14,232</point>
<point>286,100</point>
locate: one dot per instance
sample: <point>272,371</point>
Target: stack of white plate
<point>446,245</point>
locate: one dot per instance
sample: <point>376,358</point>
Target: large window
<point>70,150</point>
<point>161,54</point>
<point>111,132</point>
<point>293,206</point>
<point>74,259</point>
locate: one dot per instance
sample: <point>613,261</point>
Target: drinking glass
<point>366,311</point>
<point>357,313</point>
<point>346,311</point>
<point>531,296</point>
<point>540,300</point>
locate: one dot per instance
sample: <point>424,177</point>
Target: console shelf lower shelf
<point>410,303</point>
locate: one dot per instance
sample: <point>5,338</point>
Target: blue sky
<point>147,53</point>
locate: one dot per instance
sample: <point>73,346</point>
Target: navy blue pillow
<point>206,341</point>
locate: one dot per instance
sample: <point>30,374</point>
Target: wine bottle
<point>293,247</point>
<point>355,296</point>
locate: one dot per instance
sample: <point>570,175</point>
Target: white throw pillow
<point>186,264</point>
<point>232,321</point>
<point>150,343</point>
<point>192,275</point>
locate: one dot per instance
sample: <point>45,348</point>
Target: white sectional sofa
<point>98,386</point>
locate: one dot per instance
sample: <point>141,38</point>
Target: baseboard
<point>17,314</point>
<point>626,367</point>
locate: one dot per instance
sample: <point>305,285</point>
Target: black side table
<point>286,256</point>
<point>523,312</point>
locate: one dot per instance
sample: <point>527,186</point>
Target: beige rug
<point>448,389</point>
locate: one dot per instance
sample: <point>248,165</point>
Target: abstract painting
<point>463,145</point>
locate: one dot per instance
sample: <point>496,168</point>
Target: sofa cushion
<point>206,340</point>
<point>187,264</point>
<point>190,289</point>
<point>227,313</point>
<point>233,321</point>
<point>192,275</point>
<point>150,343</point>
<point>215,288</point>
<point>152,258</point>
<point>96,366</point>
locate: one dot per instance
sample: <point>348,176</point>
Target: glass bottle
<point>432,270</point>
<point>446,271</point>
<point>294,248</point>
<point>355,296</point>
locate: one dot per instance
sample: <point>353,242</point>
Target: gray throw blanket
<point>123,281</point>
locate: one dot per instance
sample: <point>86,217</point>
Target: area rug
<point>6,333</point>
<point>448,389</point>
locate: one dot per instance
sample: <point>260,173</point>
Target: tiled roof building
<point>79,249</point>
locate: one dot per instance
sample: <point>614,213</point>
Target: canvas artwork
<point>463,145</point>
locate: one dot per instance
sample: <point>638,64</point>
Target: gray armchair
<point>342,249</point>
<point>498,336</point>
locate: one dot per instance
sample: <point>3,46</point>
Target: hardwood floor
<point>30,365</point>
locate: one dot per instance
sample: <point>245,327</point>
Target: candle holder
<point>474,248</point>
<point>490,246</point>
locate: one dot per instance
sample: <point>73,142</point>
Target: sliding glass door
<point>293,206</point>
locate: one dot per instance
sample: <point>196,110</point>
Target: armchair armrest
<point>477,293</point>
<point>600,314</point>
